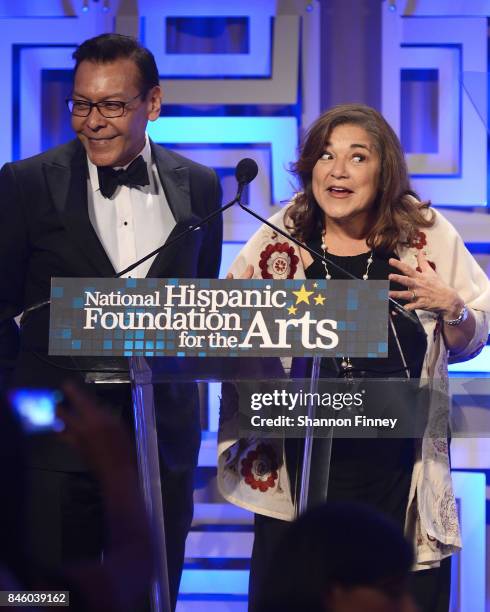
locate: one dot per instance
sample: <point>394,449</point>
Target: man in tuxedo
<point>90,208</point>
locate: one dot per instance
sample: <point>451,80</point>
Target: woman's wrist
<point>461,318</point>
<point>454,309</point>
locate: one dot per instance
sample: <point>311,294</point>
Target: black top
<point>412,338</point>
<point>374,471</point>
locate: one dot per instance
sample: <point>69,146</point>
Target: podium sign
<point>195,318</point>
<point>218,318</point>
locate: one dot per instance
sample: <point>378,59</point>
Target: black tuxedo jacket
<point>46,232</point>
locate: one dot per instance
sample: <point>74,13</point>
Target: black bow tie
<point>135,174</point>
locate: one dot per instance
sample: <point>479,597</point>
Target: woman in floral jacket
<point>357,207</point>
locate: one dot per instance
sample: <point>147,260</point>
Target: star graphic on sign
<point>292,310</point>
<point>302,295</point>
<point>319,299</point>
<point>315,285</point>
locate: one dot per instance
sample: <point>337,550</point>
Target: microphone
<point>246,171</point>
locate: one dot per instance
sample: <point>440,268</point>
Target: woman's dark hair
<point>339,544</point>
<point>107,48</point>
<point>397,214</point>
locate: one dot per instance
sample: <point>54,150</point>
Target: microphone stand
<point>147,441</point>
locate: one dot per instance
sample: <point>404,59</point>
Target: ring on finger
<point>414,295</point>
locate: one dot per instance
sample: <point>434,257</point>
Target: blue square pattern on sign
<point>128,344</point>
<point>131,283</point>
<point>76,345</point>
<point>57,292</point>
<point>382,347</point>
<point>77,302</point>
<point>66,333</point>
<point>107,345</point>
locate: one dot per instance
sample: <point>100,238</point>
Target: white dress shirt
<point>134,221</point>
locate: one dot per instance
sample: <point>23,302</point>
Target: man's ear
<point>155,97</point>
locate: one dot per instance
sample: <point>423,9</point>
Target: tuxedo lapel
<point>67,181</point>
<point>179,258</point>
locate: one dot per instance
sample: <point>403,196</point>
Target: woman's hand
<point>248,273</point>
<point>425,289</point>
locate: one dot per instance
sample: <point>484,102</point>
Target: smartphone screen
<point>36,409</point>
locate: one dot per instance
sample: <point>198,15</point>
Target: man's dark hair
<point>107,48</point>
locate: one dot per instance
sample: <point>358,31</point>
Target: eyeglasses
<point>108,108</point>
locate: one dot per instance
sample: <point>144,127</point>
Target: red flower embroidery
<point>278,261</point>
<point>418,240</point>
<point>259,468</point>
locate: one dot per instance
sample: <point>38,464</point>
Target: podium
<point>240,332</point>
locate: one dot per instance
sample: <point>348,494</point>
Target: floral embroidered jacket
<point>252,472</point>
